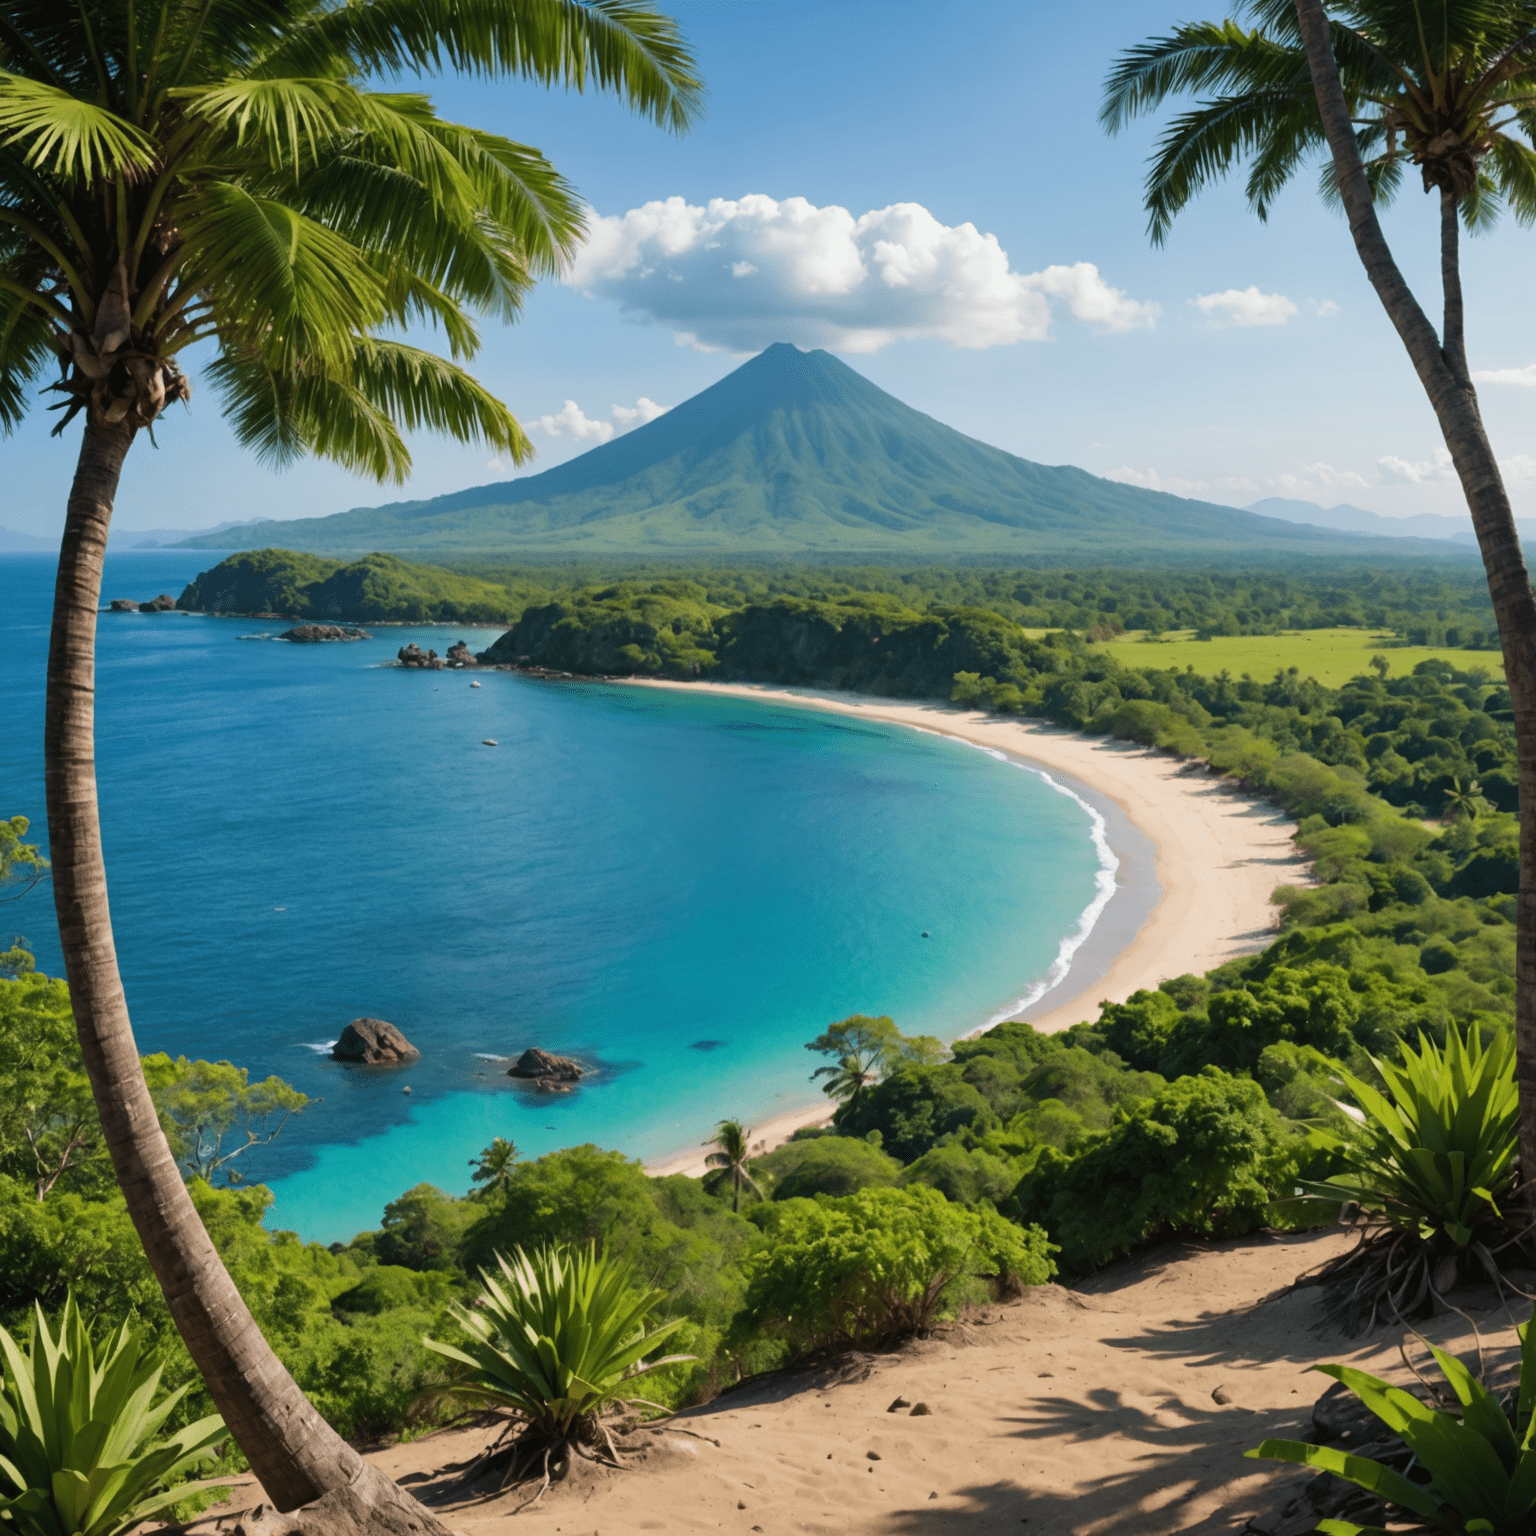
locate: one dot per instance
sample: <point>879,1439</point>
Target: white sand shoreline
<point>1218,854</point>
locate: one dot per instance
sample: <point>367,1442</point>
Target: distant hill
<point>1347,519</point>
<point>795,453</point>
<point>24,543</point>
<point>375,589</point>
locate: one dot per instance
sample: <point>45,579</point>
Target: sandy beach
<point>1216,856</point>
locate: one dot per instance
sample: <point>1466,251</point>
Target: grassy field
<point>1332,656</point>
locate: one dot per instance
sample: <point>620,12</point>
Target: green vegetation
<point>856,1271</point>
<point>1481,1462</point>
<point>1428,1170</point>
<point>557,1341</point>
<point>81,1453</point>
<point>376,589</point>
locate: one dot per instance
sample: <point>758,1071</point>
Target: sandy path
<point>1066,1413</point>
<point>1218,855</point>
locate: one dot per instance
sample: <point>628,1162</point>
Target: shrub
<point>1200,1156</point>
<point>829,1165</point>
<point>914,1107</point>
<point>555,1342</point>
<point>882,1264</point>
<point>1428,1170</point>
<point>80,1447</point>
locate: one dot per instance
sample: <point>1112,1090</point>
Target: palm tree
<point>1449,88</point>
<point>1464,801</point>
<point>732,1141</point>
<point>221,173</point>
<point>492,1170</point>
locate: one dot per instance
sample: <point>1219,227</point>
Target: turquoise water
<point>684,888</point>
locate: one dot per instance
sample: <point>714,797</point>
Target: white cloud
<point>1519,470</point>
<point>1315,478</point>
<point>636,415</point>
<point>1244,307</point>
<point>1323,308</point>
<point>1525,378</point>
<point>1396,471</point>
<point>573,422</point>
<point>1149,479</point>
<point>742,273</point>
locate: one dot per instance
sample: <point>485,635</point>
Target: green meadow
<point>1332,656</point>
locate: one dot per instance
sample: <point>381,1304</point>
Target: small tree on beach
<point>864,1048</point>
<point>226,173</point>
<point>732,1145</point>
<point>1445,88</point>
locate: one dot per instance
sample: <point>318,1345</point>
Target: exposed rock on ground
<point>165,603</point>
<point>460,655</point>
<point>374,1042</point>
<point>312,634</point>
<point>547,1072</point>
<point>124,605</point>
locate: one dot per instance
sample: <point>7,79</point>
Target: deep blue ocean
<point>683,888</point>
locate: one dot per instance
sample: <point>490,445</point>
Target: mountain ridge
<point>797,453</point>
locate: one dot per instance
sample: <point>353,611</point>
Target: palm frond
<point>623,46</point>
<point>68,137</point>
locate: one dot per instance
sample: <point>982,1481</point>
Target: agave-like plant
<point>1428,1170</point>
<point>1481,1462</point>
<point>81,1452</point>
<point>556,1341</point>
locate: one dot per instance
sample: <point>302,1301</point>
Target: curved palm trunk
<point>296,1455</point>
<point>1442,369</point>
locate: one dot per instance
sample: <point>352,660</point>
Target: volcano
<point>795,454</point>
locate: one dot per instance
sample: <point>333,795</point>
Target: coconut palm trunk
<point>1440,362</point>
<point>294,1453</point>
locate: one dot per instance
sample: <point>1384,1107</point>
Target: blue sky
<point>896,138</point>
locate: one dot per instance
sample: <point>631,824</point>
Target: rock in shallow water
<point>375,1043</point>
<point>313,634</point>
<point>541,1066</point>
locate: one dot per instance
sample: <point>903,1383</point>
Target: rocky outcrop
<point>549,1074</point>
<point>165,603</point>
<point>459,655</point>
<point>412,655</point>
<point>375,1043</point>
<point>124,605</point>
<point>313,634</point>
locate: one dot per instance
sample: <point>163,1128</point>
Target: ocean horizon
<point>681,888</point>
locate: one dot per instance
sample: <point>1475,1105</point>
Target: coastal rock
<point>374,1042</point>
<point>313,634</point>
<point>460,655</point>
<point>165,603</point>
<point>412,655</point>
<point>124,605</point>
<point>543,1068</point>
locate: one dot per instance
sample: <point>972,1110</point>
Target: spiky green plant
<point>1481,1465</point>
<point>81,1453</point>
<point>1428,1170</point>
<point>556,1341</point>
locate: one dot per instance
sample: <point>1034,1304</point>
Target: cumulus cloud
<point>1524,378</point>
<point>1396,471</point>
<point>1323,308</point>
<point>1244,307</point>
<point>573,422</point>
<point>1311,479</point>
<point>1519,470</point>
<point>1149,479</point>
<point>739,274</point>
